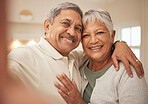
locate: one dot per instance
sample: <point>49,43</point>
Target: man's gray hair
<point>99,15</point>
<point>57,9</point>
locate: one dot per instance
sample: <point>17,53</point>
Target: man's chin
<point>67,50</point>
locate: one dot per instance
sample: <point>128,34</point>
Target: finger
<point>127,66</point>
<point>136,64</point>
<point>67,84</point>
<point>141,68</point>
<point>64,96</point>
<point>66,78</point>
<point>137,67</point>
<point>65,90</point>
<point>115,62</point>
<point>73,81</point>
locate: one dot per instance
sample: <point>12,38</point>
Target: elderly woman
<point>101,84</point>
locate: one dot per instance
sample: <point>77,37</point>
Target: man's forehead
<point>69,12</point>
<point>69,20</point>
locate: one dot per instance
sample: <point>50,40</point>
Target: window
<point>132,35</point>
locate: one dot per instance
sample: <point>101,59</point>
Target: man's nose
<point>71,31</point>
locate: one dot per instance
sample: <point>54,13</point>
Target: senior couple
<point>92,73</point>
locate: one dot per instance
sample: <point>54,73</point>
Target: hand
<point>69,91</point>
<point>123,53</point>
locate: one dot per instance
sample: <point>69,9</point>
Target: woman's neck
<point>95,65</point>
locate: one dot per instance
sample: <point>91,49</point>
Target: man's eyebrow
<point>70,21</point>
<point>66,20</point>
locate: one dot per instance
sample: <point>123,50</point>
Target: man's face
<point>65,32</point>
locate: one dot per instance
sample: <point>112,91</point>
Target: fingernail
<point>58,76</point>
<point>63,74</point>
<point>56,83</point>
<point>131,75</point>
<point>143,74</point>
<point>140,76</point>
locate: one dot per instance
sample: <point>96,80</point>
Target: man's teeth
<point>96,48</point>
<point>67,40</point>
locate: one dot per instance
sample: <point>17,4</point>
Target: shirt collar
<point>82,71</point>
<point>49,50</point>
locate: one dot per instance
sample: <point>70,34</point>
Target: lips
<point>69,38</point>
<point>96,47</point>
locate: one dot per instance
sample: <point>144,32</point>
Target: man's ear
<point>46,26</point>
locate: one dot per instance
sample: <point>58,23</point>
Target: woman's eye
<point>84,36</point>
<point>100,33</point>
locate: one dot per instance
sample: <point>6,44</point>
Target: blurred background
<point>130,19</point>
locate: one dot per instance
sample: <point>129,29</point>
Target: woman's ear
<point>113,35</point>
<point>46,26</point>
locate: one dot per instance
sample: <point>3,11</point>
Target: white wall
<point>144,47</point>
<point>40,8</point>
<point>125,13</point>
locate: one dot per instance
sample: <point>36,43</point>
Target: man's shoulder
<point>76,53</point>
<point>21,52</point>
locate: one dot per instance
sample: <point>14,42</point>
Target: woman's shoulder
<point>124,78</point>
<point>121,75</point>
<point>123,70</point>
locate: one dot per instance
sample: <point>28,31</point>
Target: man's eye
<point>79,29</point>
<point>66,23</point>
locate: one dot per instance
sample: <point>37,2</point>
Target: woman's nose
<point>93,40</point>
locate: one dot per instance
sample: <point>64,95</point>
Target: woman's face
<point>97,41</point>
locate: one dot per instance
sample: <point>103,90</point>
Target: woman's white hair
<point>99,15</point>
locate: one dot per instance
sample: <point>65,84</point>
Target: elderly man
<point>37,66</point>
